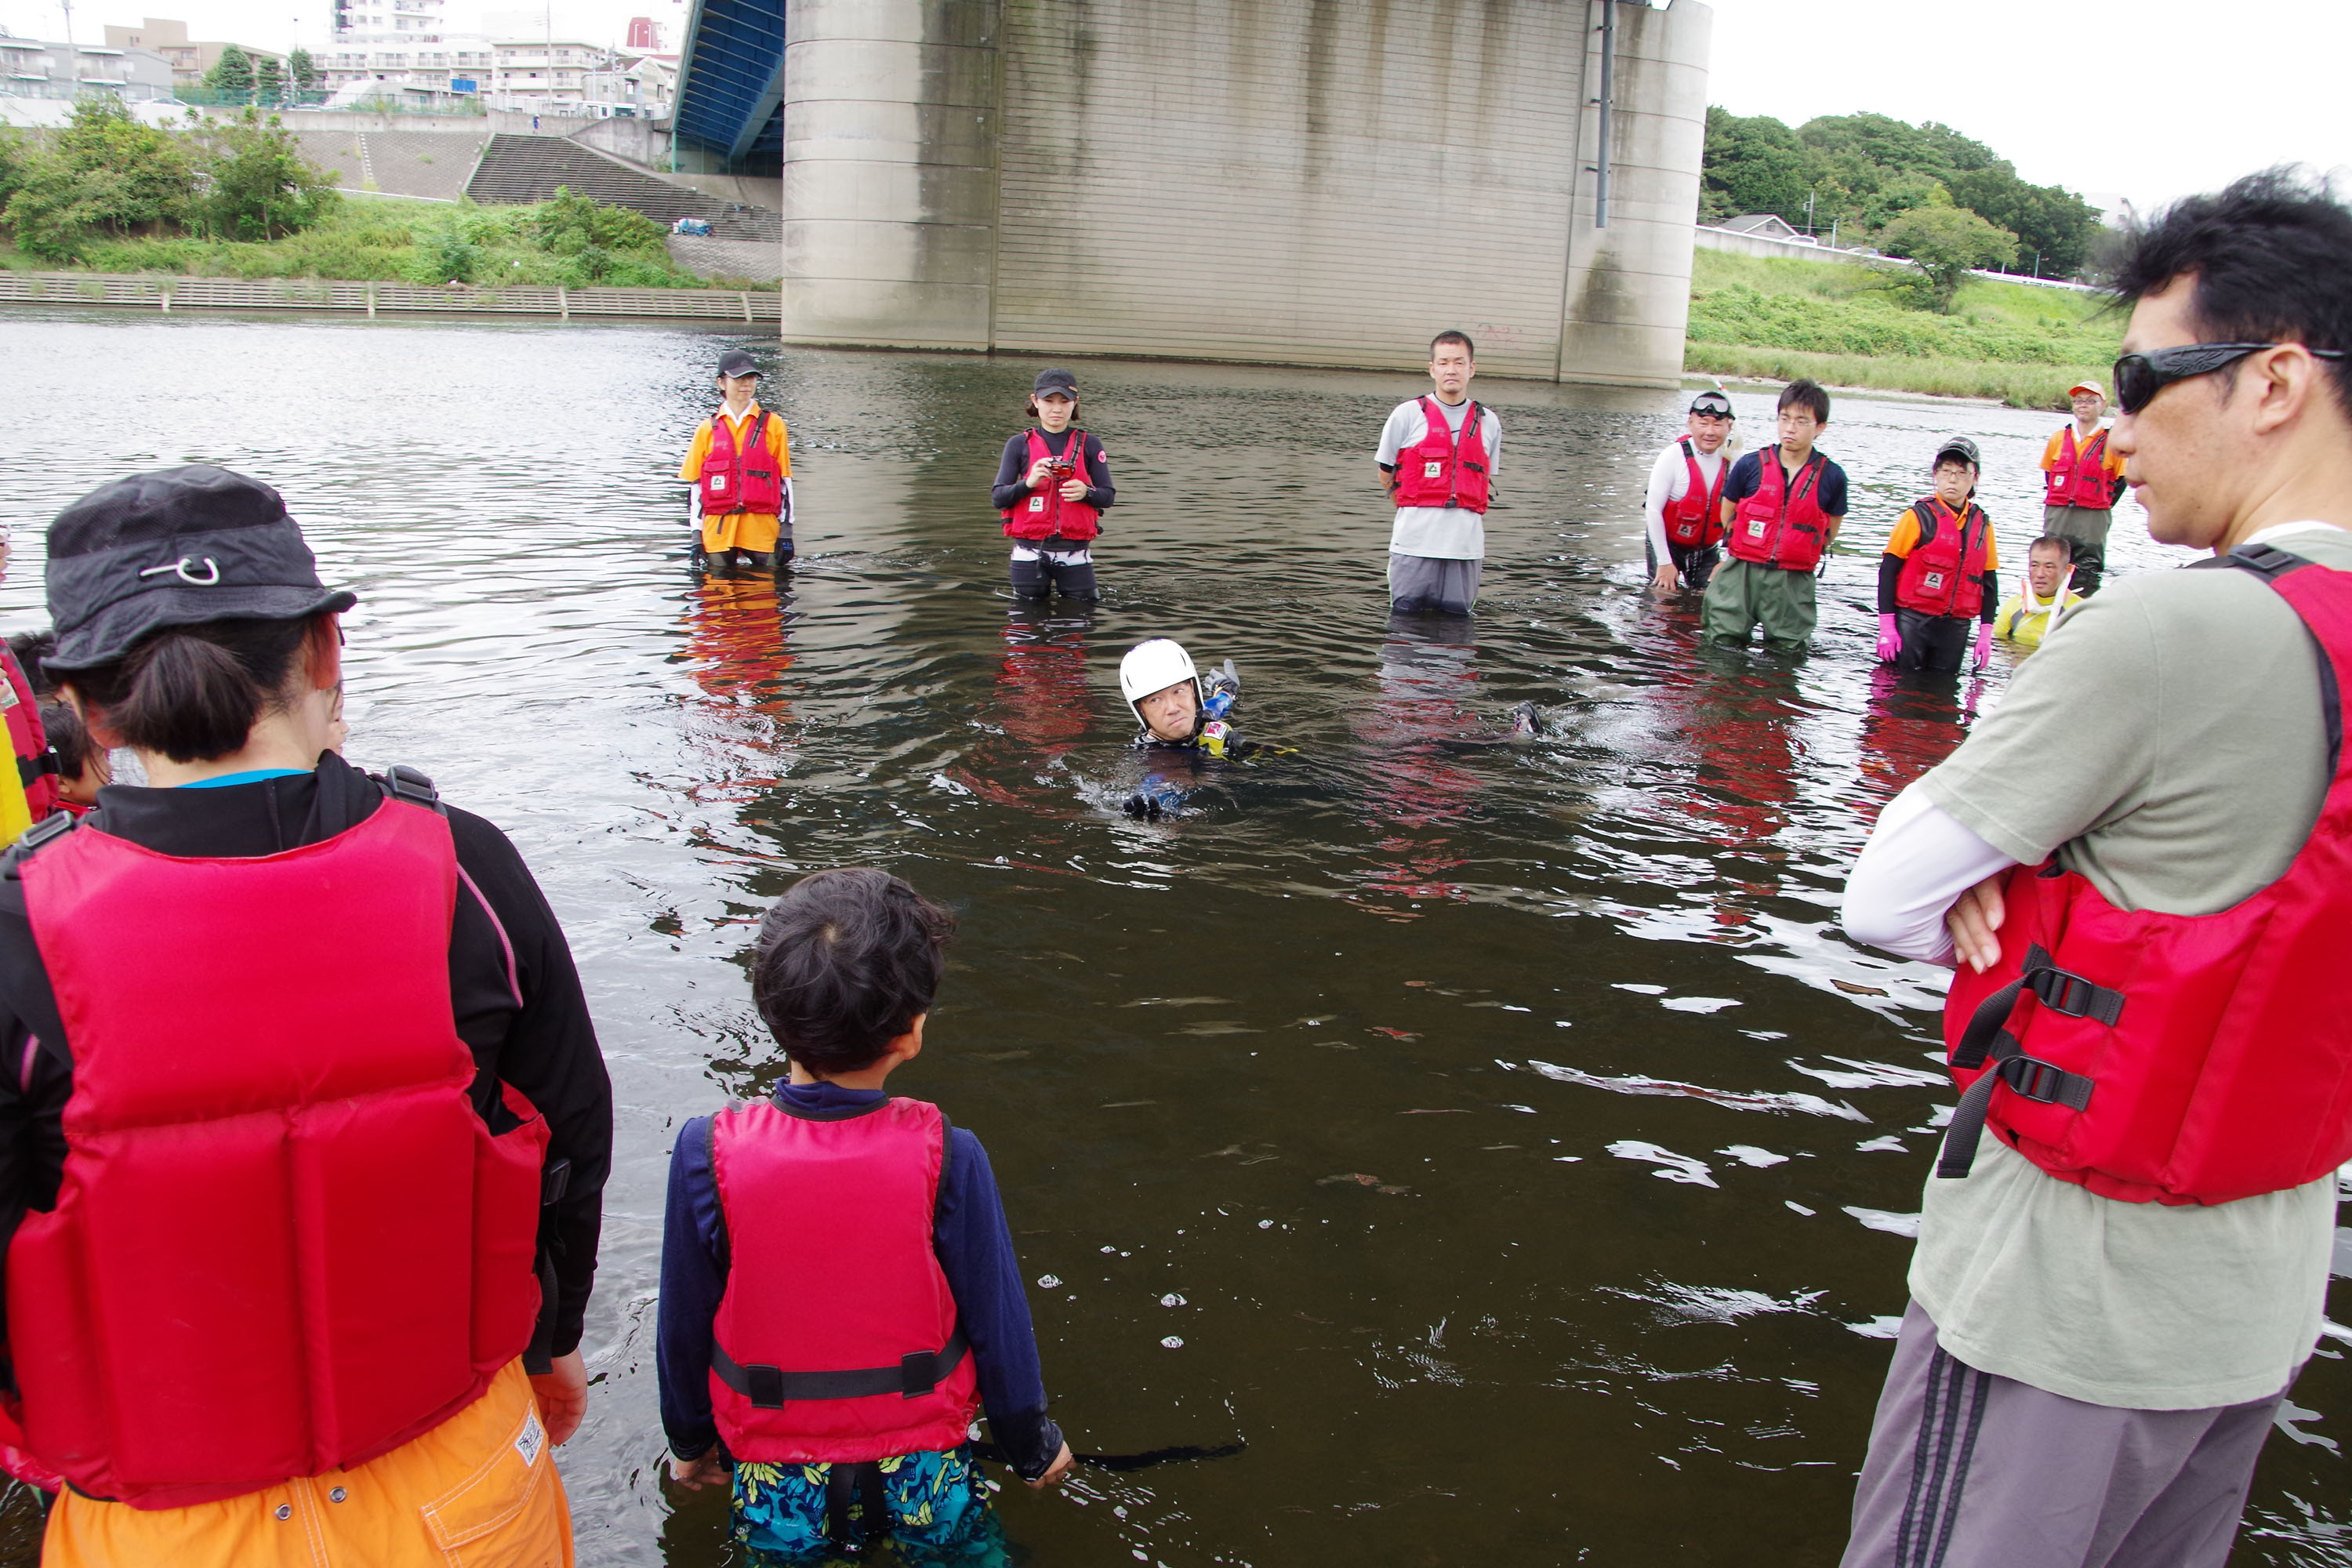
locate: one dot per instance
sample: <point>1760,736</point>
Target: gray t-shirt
<point>1445,532</point>
<point>2167,743</point>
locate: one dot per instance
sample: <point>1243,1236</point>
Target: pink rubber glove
<point>1890,641</point>
<point>1984,644</point>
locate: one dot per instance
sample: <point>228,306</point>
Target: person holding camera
<point>1052,488</point>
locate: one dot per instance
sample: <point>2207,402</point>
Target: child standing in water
<point>1052,488</point>
<point>833,1227</point>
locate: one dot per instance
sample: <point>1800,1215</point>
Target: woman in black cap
<point>1052,488</point>
<point>306,1127</point>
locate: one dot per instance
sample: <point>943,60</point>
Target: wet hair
<point>66,738</point>
<point>845,961</point>
<point>2056,541</point>
<point>1453,335</point>
<point>31,648</point>
<point>194,693</point>
<point>2272,258</point>
<point>1805,394</point>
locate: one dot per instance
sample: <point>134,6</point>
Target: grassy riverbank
<point>1846,325</point>
<point>386,240</point>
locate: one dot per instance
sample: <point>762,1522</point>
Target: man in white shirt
<point>1437,458</point>
<point>1684,510</point>
<point>2081,1378</point>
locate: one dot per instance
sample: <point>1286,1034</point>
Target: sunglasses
<point>2139,377</point>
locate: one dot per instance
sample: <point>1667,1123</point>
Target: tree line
<point>1873,180</point>
<point>236,71</point>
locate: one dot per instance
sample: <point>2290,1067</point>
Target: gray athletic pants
<point>1432,583</point>
<point>1971,1470</point>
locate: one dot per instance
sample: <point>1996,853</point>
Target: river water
<point>1500,1139</point>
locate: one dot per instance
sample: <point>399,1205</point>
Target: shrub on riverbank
<point>571,242</point>
<point>1845,324</point>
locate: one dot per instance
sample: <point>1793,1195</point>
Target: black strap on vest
<point>401,782</point>
<point>770,1387</point>
<point>1988,1035</point>
<point>874,1515</point>
<point>47,831</point>
<point>30,771</point>
<point>2269,563</point>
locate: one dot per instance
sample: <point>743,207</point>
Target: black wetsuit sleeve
<point>1991,596</point>
<point>34,1082</point>
<point>1012,485</point>
<point>693,1278</point>
<point>1101,491</point>
<point>547,1049</point>
<point>1890,572</point>
<point>975,1252</point>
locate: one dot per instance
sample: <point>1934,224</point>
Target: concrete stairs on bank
<point>515,170</point>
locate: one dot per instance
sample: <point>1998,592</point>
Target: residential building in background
<point>644,35</point>
<point>190,58</point>
<point>30,67</point>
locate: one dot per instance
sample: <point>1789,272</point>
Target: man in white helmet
<point>1177,709</point>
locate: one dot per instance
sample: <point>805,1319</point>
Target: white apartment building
<point>30,67</point>
<point>389,45</point>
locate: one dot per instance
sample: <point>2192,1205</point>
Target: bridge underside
<point>730,91</point>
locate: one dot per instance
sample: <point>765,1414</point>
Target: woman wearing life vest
<point>1683,512</point>
<point>741,467</point>
<point>306,1122</point>
<point>1940,572</point>
<point>2082,479</point>
<point>1052,485</point>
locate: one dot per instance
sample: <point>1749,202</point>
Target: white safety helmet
<point>1155,665</point>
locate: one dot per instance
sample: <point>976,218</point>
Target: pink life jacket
<point>37,765</point>
<point>1445,467</point>
<point>1044,515</point>
<point>1695,521</point>
<point>2175,1058</point>
<point>860,1357</point>
<point>745,481</point>
<point>284,1242</point>
<point>2081,478</point>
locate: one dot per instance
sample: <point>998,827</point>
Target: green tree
<point>1752,164</point>
<point>102,173</point>
<point>233,72</point>
<point>269,80</point>
<point>2055,224</point>
<point>257,183</point>
<point>302,69</point>
<point>1944,243</point>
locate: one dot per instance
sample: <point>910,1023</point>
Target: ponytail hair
<point>193,693</point>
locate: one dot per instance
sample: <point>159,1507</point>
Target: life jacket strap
<point>30,770</point>
<point>51,828</point>
<point>1988,1037</point>
<point>401,782</point>
<point>769,1388</point>
<point>874,1518</point>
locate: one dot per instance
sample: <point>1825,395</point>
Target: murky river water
<point>1500,1139</point>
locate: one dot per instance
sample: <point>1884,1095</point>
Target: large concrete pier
<point>1294,181</point>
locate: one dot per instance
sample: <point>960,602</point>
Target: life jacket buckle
<point>2045,1083</point>
<point>2073,996</point>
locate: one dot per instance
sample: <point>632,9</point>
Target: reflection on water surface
<point>1522,1158</point>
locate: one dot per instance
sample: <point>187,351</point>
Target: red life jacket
<point>746,480</point>
<point>1045,515</point>
<point>1944,573</point>
<point>37,765</point>
<point>1695,521</point>
<point>861,1358</point>
<point>2081,478</point>
<point>1447,467</point>
<point>2175,1058</point>
<point>284,1241</point>
<point>1781,524</point>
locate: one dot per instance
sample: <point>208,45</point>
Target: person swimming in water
<point>1181,712</point>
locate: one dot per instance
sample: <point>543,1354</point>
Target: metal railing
<point>165,291</point>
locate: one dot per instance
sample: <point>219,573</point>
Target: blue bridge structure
<point>730,89</point>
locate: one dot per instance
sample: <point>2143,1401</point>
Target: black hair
<point>846,960</point>
<point>194,693</point>
<point>1805,394</point>
<point>1454,335</point>
<point>31,648</point>
<point>2272,258</point>
<point>1074,408</point>
<point>66,738</point>
<point>2058,541</point>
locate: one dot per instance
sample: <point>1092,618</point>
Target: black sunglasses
<point>2139,377</point>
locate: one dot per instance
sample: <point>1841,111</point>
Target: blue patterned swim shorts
<point>936,1507</point>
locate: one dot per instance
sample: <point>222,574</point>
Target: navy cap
<point>1060,381</point>
<point>737,361</point>
<point>179,547</point>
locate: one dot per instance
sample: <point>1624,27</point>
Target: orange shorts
<point>477,1491</point>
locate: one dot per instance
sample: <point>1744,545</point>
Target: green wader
<point>2086,531</point>
<point>1741,594</point>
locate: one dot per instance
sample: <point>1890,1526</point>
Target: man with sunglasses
<point>2083,478</point>
<point>2101,1329</point>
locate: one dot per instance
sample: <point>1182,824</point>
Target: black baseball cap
<point>1712,402</point>
<point>179,547</point>
<point>1961,445</point>
<point>1060,381</point>
<point>739,362</point>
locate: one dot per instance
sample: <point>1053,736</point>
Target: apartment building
<point>190,58</point>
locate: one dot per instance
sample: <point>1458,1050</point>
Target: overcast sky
<point>2147,100</point>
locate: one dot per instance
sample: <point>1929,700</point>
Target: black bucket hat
<point>179,547</point>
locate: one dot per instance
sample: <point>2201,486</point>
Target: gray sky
<point>2147,99</point>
